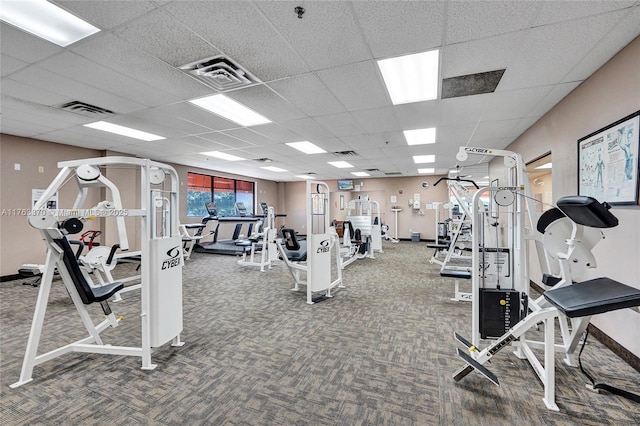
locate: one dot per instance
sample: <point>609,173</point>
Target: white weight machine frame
<point>266,244</point>
<point>161,261</point>
<point>316,272</point>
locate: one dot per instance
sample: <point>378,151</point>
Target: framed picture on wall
<point>608,162</point>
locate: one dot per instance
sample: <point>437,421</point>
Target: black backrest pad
<point>69,258</point>
<point>547,218</point>
<point>290,240</point>
<point>587,211</point>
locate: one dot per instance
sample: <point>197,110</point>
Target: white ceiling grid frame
<point>115,53</point>
<point>57,83</point>
<point>421,24</point>
<point>308,93</point>
<point>326,37</point>
<point>261,50</point>
<point>377,119</point>
<point>265,101</point>
<point>356,86</point>
<point>29,93</point>
<point>341,124</point>
<point>161,116</point>
<point>10,65</point>
<point>163,36</point>
<point>617,38</point>
<point>104,15</point>
<point>80,69</point>
<point>24,46</point>
<point>543,63</point>
<point>517,103</point>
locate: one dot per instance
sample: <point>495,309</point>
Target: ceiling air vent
<point>87,110</point>
<point>221,73</point>
<point>264,160</point>
<point>393,173</point>
<point>372,170</point>
<point>345,153</point>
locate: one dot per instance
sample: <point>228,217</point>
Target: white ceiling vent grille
<point>87,110</point>
<point>393,173</point>
<point>221,73</point>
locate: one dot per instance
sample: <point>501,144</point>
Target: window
<point>224,192</point>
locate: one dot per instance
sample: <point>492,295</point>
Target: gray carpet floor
<point>380,352</point>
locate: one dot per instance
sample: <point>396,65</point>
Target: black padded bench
<point>87,293</point>
<point>296,250</point>
<point>593,297</point>
<point>452,273</point>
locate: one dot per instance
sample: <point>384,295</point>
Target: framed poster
<point>608,162</point>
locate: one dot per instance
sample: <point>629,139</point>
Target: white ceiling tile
<point>522,125</point>
<point>19,124</point>
<point>82,70</point>
<point>488,131</point>
<point>553,50</point>
<point>146,126</point>
<point>308,93</point>
<point>464,109</point>
<point>514,103</point>
<point>261,49</point>
<point>199,116</point>
<point>487,54</point>
<point>277,132</point>
<point>619,36</point>
<point>421,23</point>
<point>119,55</point>
<point>356,86</point>
<point>265,101</point>
<point>225,139</point>
<point>419,115</point>
<point>468,20</point>
<point>160,116</point>
<point>377,119</point>
<point>307,128</point>
<point>10,64</point>
<point>29,93</point>
<point>326,37</point>
<point>42,113</point>
<point>163,36</point>
<point>39,77</point>
<point>106,15</point>
<point>555,95</point>
<point>558,11</point>
<point>24,46</point>
<point>341,124</point>
<point>250,136</point>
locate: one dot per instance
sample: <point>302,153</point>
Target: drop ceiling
<point>318,78</point>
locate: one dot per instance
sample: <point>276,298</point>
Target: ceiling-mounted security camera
<point>300,11</point>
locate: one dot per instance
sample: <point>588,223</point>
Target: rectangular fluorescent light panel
<point>420,136</point>
<point>427,171</point>
<point>340,164</point>
<point>46,20</point>
<point>411,78</point>
<point>418,159</point>
<point>360,174</point>
<point>124,131</point>
<point>306,147</point>
<point>274,169</point>
<point>304,176</point>
<point>223,156</point>
<point>231,110</point>
<point>545,166</point>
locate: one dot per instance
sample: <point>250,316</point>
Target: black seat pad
<point>593,297</point>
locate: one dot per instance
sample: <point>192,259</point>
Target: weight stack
<point>499,311</point>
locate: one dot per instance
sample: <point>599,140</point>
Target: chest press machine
<point>575,302</point>
<point>160,256</point>
<point>314,261</point>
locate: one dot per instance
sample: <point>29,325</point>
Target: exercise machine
<point>314,262</point>
<point>566,301</point>
<point>262,244</point>
<point>160,254</point>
